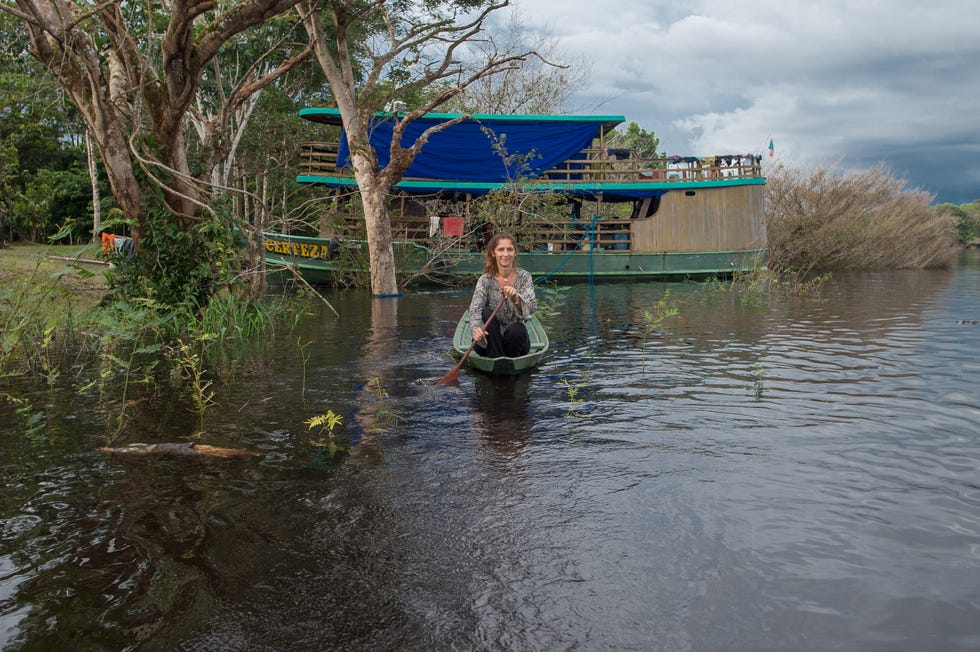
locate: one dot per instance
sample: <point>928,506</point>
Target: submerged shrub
<point>827,220</point>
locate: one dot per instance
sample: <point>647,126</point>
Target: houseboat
<point>580,210</point>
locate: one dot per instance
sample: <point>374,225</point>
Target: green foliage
<point>520,211</point>
<point>551,297</point>
<point>126,357</point>
<point>385,414</point>
<point>179,268</point>
<point>645,144</point>
<point>274,132</point>
<point>125,351</point>
<point>204,349</point>
<point>324,425</point>
<point>758,380</point>
<point>51,202</point>
<point>573,395</point>
<point>32,419</point>
<point>967,218</point>
<point>305,357</point>
<point>38,322</point>
<point>44,181</point>
<point>654,319</point>
<point>187,363</point>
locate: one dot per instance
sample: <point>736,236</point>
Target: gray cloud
<point>858,82</point>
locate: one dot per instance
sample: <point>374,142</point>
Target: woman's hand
<point>480,336</point>
<point>511,293</point>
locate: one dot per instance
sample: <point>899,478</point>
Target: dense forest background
<point>50,178</point>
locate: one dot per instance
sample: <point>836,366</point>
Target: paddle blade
<point>450,379</point>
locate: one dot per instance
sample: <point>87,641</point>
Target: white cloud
<point>859,80</point>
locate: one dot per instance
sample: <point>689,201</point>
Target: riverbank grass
<point>75,267</point>
<point>48,297</point>
<point>58,316</point>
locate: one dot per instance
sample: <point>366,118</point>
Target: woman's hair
<point>490,265</point>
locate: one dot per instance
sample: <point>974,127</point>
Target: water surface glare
<point>781,474</point>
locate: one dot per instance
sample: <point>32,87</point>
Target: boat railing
<point>318,158</point>
<point>595,165</point>
<point>622,166</point>
<point>538,235</point>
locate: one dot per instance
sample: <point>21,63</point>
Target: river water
<point>790,473</point>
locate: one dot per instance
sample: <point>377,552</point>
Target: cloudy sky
<point>857,82</point>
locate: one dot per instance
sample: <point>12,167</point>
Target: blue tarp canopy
<point>482,148</point>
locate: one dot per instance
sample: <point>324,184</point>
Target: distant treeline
<point>967,218</point>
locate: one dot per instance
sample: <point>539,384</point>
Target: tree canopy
<point>43,181</point>
<point>167,91</point>
<point>136,73</point>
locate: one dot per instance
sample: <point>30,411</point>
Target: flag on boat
<point>772,148</point>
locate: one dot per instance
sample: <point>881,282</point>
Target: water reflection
<point>372,414</point>
<point>761,474</point>
<point>500,415</point>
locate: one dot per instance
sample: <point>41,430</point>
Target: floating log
<point>181,449</point>
<point>88,261</point>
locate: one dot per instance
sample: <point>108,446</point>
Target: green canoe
<point>501,366</point>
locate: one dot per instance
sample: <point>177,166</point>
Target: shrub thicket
<point>826,220</point>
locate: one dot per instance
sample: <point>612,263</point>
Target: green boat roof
<point>331,116</point>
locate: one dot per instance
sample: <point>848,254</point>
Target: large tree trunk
<point>93,175</point>
<point>116,157</point>
<point>374,197</point>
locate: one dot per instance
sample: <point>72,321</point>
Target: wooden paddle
<point>452,377</point>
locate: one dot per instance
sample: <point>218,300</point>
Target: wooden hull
<point>501,366</point>
<point>308,256</point>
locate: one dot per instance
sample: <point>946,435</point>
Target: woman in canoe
<point>506,334</point>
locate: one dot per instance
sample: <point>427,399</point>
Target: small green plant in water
<point>758,380</point>
<point>386,415</point>
<point>551,298</point>
<point>33,420</point>
<point>324,425</point>
<point>576,402</point>
<point>189,367</point>
<point>305,357</point>
<point>654,319</point>
<point>127,357</point>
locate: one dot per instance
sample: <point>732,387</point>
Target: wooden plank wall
<point>710,219</point>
